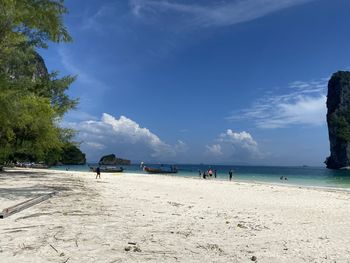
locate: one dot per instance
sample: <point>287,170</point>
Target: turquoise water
<point>303,176</point>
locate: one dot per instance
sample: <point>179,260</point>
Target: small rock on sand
<point>128,248</point>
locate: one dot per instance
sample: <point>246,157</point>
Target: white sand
<point>170,219</point>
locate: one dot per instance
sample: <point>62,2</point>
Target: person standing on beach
<point>230,174</point>
<point>215,173</point>
<point>210,172</point>
<point>98,172</point>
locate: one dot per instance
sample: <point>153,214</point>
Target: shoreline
<point>248,182</point>
<point>299,176</point>
<point>311,187</point>
<point>330,188</point>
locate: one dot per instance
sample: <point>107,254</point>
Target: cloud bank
<point>125,138</point>
<point>233,146</point>
<point>214,14</point>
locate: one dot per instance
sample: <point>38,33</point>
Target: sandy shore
<point>149,218</point>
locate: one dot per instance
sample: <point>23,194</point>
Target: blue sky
<point>240,82</point>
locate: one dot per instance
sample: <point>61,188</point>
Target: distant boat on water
<point>171,170</point>
<point>32,165</point>
<point>107,169</point>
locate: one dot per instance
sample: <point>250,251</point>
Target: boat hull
<point>107,170</point>
<point>158,171</point>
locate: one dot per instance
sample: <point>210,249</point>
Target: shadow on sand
<point>27,184</point>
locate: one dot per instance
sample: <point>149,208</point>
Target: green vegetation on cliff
<point>342,126</point>
<point>111,159</point>
<point>72,155</point>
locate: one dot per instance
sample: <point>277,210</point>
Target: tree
<point>32,101</point>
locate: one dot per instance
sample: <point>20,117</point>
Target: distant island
<point>111,159</point>
<point>338,120</point>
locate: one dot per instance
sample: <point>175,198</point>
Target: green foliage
<point>31,99</point>
<point>338,91</point>
<point>72,155</point>
<point>108,158</point>
<point>27,125</point>
<point>69,153</point>
<point>38,21</point>
<point>338,103</point>
<point>55,88</point>
<point>341,125</point>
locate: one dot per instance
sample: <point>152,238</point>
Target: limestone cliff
<point>40,67</point>
<point>111,159</point>
<point>338,120</point>
<point>35,64</point>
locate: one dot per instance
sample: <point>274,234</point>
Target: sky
<point>203,81</point>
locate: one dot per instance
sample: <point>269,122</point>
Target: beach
<point>155,218</point>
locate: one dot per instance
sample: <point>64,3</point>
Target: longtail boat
<point>108,169</point>
<point>151,170</point>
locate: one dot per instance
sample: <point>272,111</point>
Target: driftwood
<point>54,248</point>
<point>24,205</point>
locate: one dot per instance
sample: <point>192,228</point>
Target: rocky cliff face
<point>36,64</point>
<point>40,67</point>
<point>338,120</point>
<point>111,159</point>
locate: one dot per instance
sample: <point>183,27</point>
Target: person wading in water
<point>230,174</point>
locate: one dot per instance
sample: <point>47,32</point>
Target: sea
<point>300,176</point>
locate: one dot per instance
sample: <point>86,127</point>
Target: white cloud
<point>95,145</point>
<point>92,22</point>
<point>105,18</point>
<point>181,147</point>
<point>233,146</point>
<point>125,138</point>
<point>214,149</point>
<point>241,141</point>
<point>304,111</point>
<point>78,115</point>
<point>304,103</point>
<point>222,14</point>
